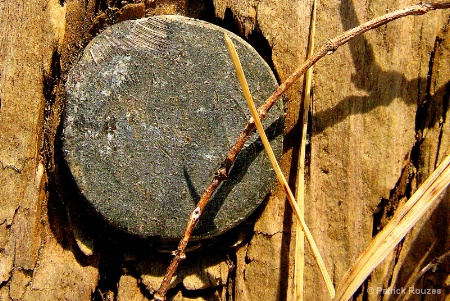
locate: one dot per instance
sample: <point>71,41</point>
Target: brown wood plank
<point>372,100</point>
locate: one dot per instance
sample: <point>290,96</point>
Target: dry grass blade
<point>395,230</point>
<point>273,160</point>
<point>299,263</point>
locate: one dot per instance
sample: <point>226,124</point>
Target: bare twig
<point>221,174</point>
<point>297,211</point>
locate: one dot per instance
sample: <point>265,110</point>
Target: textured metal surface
<point>152,108</point>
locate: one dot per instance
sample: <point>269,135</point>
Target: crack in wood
<point>11,166</point>
<point>446,101</point>
<point>14,167</point>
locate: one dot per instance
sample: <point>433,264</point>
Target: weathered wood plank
<point>363,127</point>
<point>368,110</point>
<point>33,264</point>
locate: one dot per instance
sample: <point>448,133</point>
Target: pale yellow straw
<point>300,192</point>
<point>420,203</point>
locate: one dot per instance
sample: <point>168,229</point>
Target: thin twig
<point>221,174</point>
<point>300,191</point>
<point>298,213</point>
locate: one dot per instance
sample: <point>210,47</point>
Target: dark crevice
<point>228,22</point>
<point>6,282</point>
<point>397,250</point>
<point>129,268</point>
<point>365,291</point>
<point>230,282</point>
<point>212,293</point>
<point>377,216</point>
<point>199,9</point>
<point>403,190</point>
<point>100,5</point>
<point>51,80</point>
<point>424,104</point>
<point>51,89</point>
<point>445,105</point>
<point>260,43</point>
<point>171,293</point>
<point>144,291</point>
<point>426,116</point>
<point>359,293</point>
<point>109,272</point>
<point>204,10</point>
<point>284,253</point>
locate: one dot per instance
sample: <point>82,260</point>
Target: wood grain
<point>34,265</point>
<point>372,100</point>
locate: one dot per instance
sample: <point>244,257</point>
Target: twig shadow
<point>239,169</point>
<point>381,88</point>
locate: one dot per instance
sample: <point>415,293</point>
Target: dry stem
<point>300,191</point>
<point>385,241</point>
<point>331,46</point>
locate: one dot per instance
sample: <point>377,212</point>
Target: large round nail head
<point>153,107</point>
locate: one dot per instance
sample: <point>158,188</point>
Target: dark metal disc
<point>153,107</point>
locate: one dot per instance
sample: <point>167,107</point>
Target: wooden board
<point>380,104</point>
